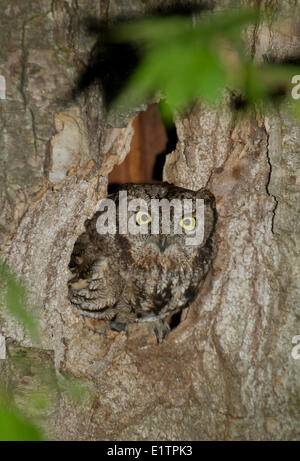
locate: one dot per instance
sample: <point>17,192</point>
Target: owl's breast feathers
<point>165,287</point>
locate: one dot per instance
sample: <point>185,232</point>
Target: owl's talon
<point>118,326</point>
<point>161,329</point>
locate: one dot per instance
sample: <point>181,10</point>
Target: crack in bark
<point>34,131</point>
<point>269,180</point>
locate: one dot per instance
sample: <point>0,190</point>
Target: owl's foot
<point>161,329</point>
<point>118,326</point>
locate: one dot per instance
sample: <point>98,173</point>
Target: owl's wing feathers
<point>93,295</point>
<point>92,288</point>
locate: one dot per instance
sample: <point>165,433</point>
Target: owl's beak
<point>163,244</point>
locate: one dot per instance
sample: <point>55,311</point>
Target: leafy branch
<point>187,61</point>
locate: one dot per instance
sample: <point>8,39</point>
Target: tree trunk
<point>227,370</point>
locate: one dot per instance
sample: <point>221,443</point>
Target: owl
<point>144,255</point>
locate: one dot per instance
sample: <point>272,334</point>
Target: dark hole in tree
<point>174,321</point>
<point>161,158</point>
<point>151,142</point>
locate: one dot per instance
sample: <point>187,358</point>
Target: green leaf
<point>15,297</point>
<point>78,390</point>
<point>151,30</point>
<point>182,60</point>
<point>15,427</point>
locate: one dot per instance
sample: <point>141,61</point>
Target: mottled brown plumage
<point>136,278</point>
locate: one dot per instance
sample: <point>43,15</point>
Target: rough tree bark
<point>226,372</point>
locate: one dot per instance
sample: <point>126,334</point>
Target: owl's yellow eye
<point>142,217</point>
<point>188,224</point>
